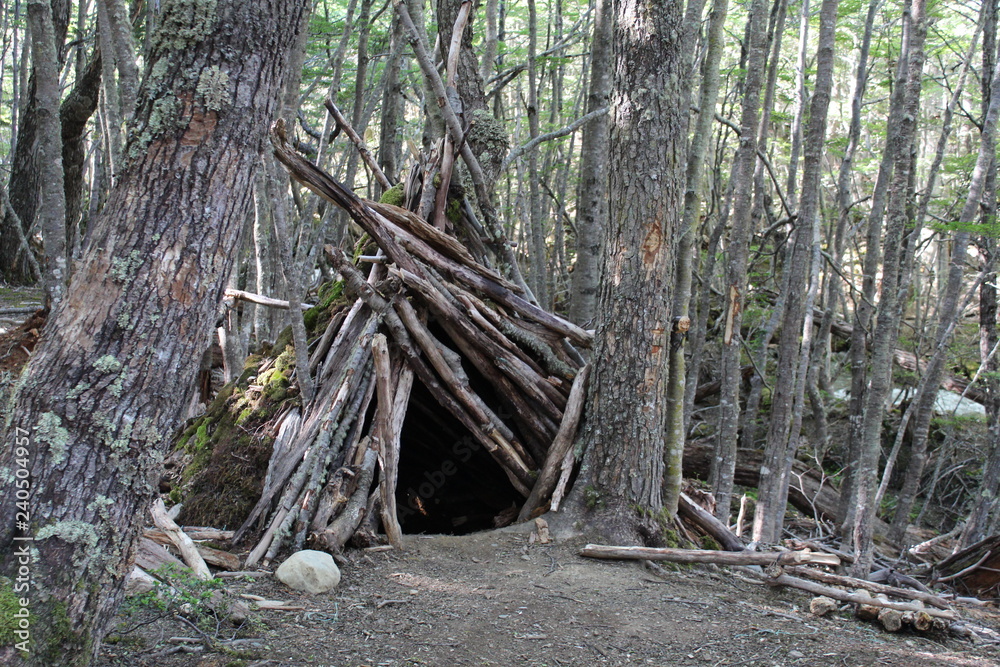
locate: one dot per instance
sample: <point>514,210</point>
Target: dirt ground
<point>495,598</point>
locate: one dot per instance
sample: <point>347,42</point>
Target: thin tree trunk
<point>724,461</point>
<point>676,423</point>
<point>52,209</point>
<point>592,202</point>
<point>864,305</point>
<point>889,307</point>
<point>796,331</point>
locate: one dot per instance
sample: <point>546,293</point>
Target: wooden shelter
<point>444,396</point>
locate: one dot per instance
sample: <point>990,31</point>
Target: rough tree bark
<point>625,423</point>
<point>592,199</point>
<point>119,357</point>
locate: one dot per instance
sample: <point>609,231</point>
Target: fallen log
<point>706,556</point>
<point>851,582</point>
<point>180,539</point>
<point>152,556</point>
<point>194,532</point>
<point>719,532</point>
<point>857,598</point>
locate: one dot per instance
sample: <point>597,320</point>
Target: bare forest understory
<point>495,598</point>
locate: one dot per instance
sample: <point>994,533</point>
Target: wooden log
<point>705,556</point>
<point>218,558</point>
<point>704,520</point>
<point>337,534</point>
<point>152,556</point>
<point>851,582</point>
<point>183,543</point>
<point>387,440</point>
<point>891,619</point>
<point>862,598</point>
<point>194,532</point>
<point>212,556</point>
<point>561,445</point>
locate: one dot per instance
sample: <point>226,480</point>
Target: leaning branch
<point>555,134</point>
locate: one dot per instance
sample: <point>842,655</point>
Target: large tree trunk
<point>626,414</point>
<point>108,383</point>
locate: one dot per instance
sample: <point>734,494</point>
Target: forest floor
<point>495,598</point>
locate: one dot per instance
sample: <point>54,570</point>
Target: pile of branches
<point>318,488</point>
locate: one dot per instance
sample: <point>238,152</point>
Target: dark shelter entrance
<point>448,482</point>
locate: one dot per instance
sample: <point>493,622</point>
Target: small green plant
<point>200,605</point>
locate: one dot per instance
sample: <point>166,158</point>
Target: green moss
<point>284,339</point>
<point>592,497</point>
<point>200,437</point>
<point>708,542</point>
<point>10,604</point>
<point>454,211</point>
<point>394,196</point>
<point>317,317</point>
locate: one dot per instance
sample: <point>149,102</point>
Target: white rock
<point>309,571</point>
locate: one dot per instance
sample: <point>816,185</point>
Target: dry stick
<point>194,532</point>
<point>240,295</point>
<point>387,441</point>
<point>707,556</point>
<point>183,543</point>
<point>561,445</point>
<point>555,134</point>
<point>566,469</point>
<point>491,438</point>
<point>839,580</point>
<point>844,596</point>
<point>359,143</point>
<point>494,228</point>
